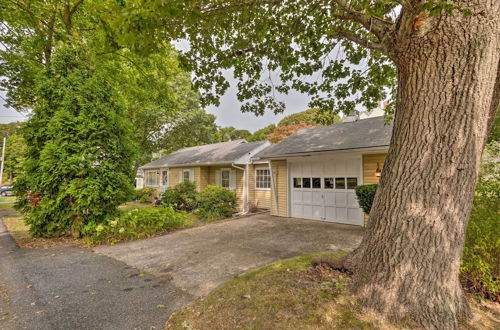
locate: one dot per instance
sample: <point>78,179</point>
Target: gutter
<point>245,189</point>
<point>312,153</point>
<point>273,189</point>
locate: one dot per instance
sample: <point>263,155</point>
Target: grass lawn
<point>20,231</point>
<point>8,199</point>
<point>288,294</point>
<point>133,205</point>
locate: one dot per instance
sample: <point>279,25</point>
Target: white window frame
<point>257,180</point>
<point>156,175</point>
<point>228,170</point>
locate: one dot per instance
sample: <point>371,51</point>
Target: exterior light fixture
<point>378,171</point>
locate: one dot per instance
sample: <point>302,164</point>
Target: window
<point>152,178</point>
<point>185,175</point>
<point>339,183</point>
<point>316,183</point>
<point>262,179</point>
<point>225,178</point>
<point>352,183</point>
<point>328,183</point>
<point>297,182</point>
<point>306,182</point>
<point>164,177</point>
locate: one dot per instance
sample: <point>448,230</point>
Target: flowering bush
<point>135,224</point>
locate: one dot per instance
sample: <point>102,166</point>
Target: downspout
<point>273,189</point>
<point>245,188</point>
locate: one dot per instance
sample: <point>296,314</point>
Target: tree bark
<point>407,265</point>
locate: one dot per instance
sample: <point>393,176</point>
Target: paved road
<point>122,286</point>
<point>74,288</point>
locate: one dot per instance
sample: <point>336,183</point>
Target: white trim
<point>273,188</point>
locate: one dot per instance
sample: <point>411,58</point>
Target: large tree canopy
<point>443,57</point>
<point>154,87</point>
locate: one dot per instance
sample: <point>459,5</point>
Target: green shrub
<point>135,224</point>
<point>80,153</point>
<point>366,194</point>
<point>182,197</point>
<point>145,195</point>
<point>480,269</point>
<point>216,203</point>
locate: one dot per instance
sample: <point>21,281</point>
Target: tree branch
<point>344,34</point>
<point>377,25</point>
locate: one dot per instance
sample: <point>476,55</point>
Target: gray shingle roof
<point>364,133</point>
<point>210,154</point>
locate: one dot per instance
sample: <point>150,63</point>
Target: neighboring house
<point>226,164</point>
<point>315,171</point>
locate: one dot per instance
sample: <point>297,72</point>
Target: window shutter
<point>232,180</point>
<point>181,176</point>
<point>218,178</point>
<point>191,175</point>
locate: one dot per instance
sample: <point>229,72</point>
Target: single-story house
<point>315,171</point>
<point>227,164</point>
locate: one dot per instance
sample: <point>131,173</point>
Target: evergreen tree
<point>80,155</point>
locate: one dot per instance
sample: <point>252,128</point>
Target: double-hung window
<point>152,178</point>
<point>225,178</point>
<point>262,179</point>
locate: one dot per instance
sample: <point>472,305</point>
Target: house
<point>315,171</point>
<point>227,164</point>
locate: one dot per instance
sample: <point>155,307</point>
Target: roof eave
<point>307,153</point>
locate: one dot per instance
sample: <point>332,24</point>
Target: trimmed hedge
<point>366,194</point>
<point>216,203</point>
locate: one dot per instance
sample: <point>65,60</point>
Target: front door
<point>164,180</point>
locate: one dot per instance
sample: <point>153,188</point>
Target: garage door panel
<point>306,197</point>
<point>307,211</point>
<point>351,199</point>
<point>297,196</point>
<point>340,199</point>
<point>329,198</point>
<point>317,197</point>
<point>341,214</point>
<point>330,213</point>
<point>355,214</point>
<point>298,210</point>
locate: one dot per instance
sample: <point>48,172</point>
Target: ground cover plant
<point>136,224</point>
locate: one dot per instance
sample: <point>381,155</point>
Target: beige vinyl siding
<point>280,175</point>
<point>259,198</point>
<point>370,166</point>
<point>203,177</point>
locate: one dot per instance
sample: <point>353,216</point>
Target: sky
<point>8,115</point>
<point>227,114</point>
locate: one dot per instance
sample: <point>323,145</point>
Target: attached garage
<point>324,190</point>
<point>315,171</point>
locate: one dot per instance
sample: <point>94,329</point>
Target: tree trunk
<point>407,265</point>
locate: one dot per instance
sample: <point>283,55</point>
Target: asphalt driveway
<point>199,259</point>
<point>137,285</point>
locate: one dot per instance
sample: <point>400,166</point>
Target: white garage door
<point>324,190</point>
